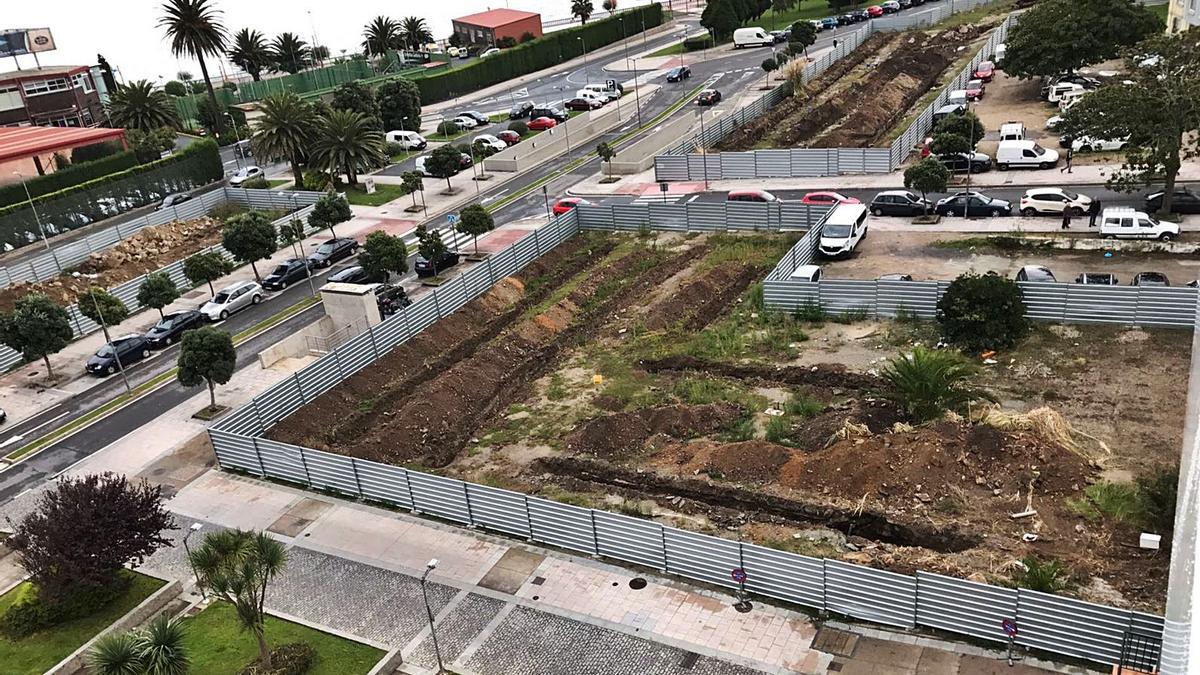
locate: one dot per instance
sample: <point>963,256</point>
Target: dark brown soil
<point>625,434</point>
<point>702,299</point>
<point>833,377</point>
<point>819,432</point>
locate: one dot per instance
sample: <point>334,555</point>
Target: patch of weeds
<point>635,509</point>
<point>953,504</point>
<point>810,312</point>
<point>1001,242</point>
<point>778,431</point>
<point>632,387</point>
<point>713,473</point>
<point>742,430</point>
<point>1046,576</point>
<point>557,389</point>
<point>803,546</point>
<point>506,435</point>
<point>705,390</point>
<point>1118,501</point>
<point>1082,507</point>
<point>367,404</point>
<point>849,316</point>
<point>755,298</point>
<point>557,494</point>
<point>803,405</point>
<point>757,251</point>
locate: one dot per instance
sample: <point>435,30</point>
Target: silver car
<point>232,299</point>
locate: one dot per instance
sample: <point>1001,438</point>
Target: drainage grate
<point>637,583</point>
<point>689,660</point>
<point>538,581</point>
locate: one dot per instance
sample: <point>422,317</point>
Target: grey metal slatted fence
<point>875,595</point>
<point>788,576</point>
<point>700,556</point>
<point>964,607</point>
<point>561,525</point>
<point>1073,627</point>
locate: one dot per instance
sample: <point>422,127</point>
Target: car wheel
<point>224,314</point>
<point>876,212</point>
<point>145,353</point>
<point>1044,165</point>
<point>1166,236</point>
<point>283,285</point>
<point>1108,236</point>
<point>1075,211</point>
<point>1085,148</point>
<point>995,213</point>
<point>1029,212</point>
<point>110,370</point>
<point>1002,166</point>
<point>167,341</point>
<point>256,299</point>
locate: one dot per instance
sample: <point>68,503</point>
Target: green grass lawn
<point>277,183</point>
<point>218,646</point>
<point>40,651</point>
<point>669,50</point>
<point>1159,10</point>
<point>383,194</point>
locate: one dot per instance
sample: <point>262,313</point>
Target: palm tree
<point>416,32</point>
<point>582,9</point>
<point>156,650</point>
<point>284,130</point>
<point>138,105</point>
<point>927,383</point>
<point>290,52</point>
<point>347,142</point>
<point>250,52</point>
<point>380,36</point>
<point>237,566</point>
<point>195,30</point>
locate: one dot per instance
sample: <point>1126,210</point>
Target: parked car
<point>425,268</point>
<point>973,162</point>
<point>550,111</point>
<point>542,123</point>
<point>390,298</point>
<point>409,140</point>
<point>895,277</point>
<point>750,196</point>
<point>947,110</point>
<point>491,51</point>
<point>1089,144</point>
<point>1096,279</point>
<point>986,71</point>
<point>1012,131</point>
<point>567,203</point>
<point>874,11</point>
<point>231,299</point>
<point>845,226</point>
<point>1150,279</point>
<point>1053,201</point>
<point>846,19</point>
<point>354,274</point>
<point>810,273</point>
<point>1183,200</point>
<point>679,74</point>
<point>584,104</point>
<point>169,328</point>
<point>1036,273</point>
<point>709,97</point>
<point>975,89</point>
<point>1125,223</point>
<point>890,7</point>
<point>1082,81</point>
<point>827,199</point>
<point>509,137</point>
<point>520,110</point>
<point>899,203</point>
<point>172,200</point>
<point>490,141</point>
<point>781,35</point>
<point>286,273</point>
<point>128,350</point>
<point>972,204</point>
<point>905,4</point>
<point>1024,154</point>
<point>244,174</point>
<point>480,118</point>
<point>861,14</point>
<point>332,251</point>
<point>829,23</point>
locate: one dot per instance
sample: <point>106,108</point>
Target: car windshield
<point>165,323</point>
<point>974,84</point>
<point>1070,195</point>
<point>105,352</point>
<point>280,270</point>
<point>325,248</point>
<point>1039,150</point>
<point>836,231</point>
<point>221,298</point>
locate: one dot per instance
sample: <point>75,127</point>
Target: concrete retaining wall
<point>137,616</point>
<point>389,664</point>
<point>640,156</point>
<point>296,344</point>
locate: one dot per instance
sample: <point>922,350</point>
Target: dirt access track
<point>859,100</point>
<point>643,375</point>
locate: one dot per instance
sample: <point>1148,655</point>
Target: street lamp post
<point>703,155</point>
<point>115,352</point>
<point>300,244</point>
<point>36,217</point>
<point>586,77</point>
<point>637,95</point>
<point>546,199</point>
<point>437,651</point>
<point>195,527</point>
<point>237,149</point>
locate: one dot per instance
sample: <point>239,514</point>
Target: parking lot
<point>933,256</point>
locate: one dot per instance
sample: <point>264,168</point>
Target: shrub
<point>294,658</point>
<point>90,153</point>
<point>802,405</point>
<point>697,43</point>
<point>259,183</point>
<point>447,128</point>
<point>981,312</point>
<point>29,613</point>
<point>521,128</point>
<point>778,431</point>
<point>1046,576</point>
<point>81,171</point>
<point>927,383</point>
<point>391,148</point>
<point>317,181</point>
<point>1157,490</point>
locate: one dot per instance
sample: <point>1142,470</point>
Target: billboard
<point>25,41</point>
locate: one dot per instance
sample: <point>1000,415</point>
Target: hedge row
<point>544,52</point>
<point>197,164</point>
<point>62,179</point>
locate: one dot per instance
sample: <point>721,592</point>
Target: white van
<point>411,140</point>
<point>602,90</point>
<point>752,37</point>
<point>1125,223</point>
<point>591,96</point>
<point>1070,98</point>
<point>1056,92</point>
<point>807,273</point>
<point>1001,51</point>
<point>845,226</point>
<point>1024,155</point>
<point>1012,131</point>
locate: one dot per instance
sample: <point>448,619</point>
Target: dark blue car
<point>829,22</point>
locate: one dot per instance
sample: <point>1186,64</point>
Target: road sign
<point>662,187</point>
<point>451,219</point>
<point>611,85</point>
<point>1010,627</point>
<point>739,575</point>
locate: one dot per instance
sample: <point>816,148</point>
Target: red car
<point>874,11</point>
<point>509,137</point>
<point>986,70</point>
<point>827,199</point>
<point>974,90</point>
<point>567,203</point>
<point>542,123</point>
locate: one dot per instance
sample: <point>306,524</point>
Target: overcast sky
<point>125,31</point>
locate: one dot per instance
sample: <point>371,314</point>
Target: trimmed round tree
<point>250,237</point>
<point>949,144</point>
<point>475,220</point>
<point>205,268</point>
<point>206,356</point>
<point>102,307</point>
<point>329,210</point>
<point>981,312</point>
<point>927,175</point>
<point>383,254</point>
<point>431,247</point>
<point>444,162</point>
<point>965,124</point>
<point>157,291</point>
<point>413,182</point>
<point>37,327</point>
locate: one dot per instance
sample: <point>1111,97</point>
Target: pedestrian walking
<point>1066,223</point>
<point>1070,156</point>
<point>1094,210</point>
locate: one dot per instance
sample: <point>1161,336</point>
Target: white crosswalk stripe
<point>657,198</point>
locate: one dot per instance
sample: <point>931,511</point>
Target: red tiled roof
<point>22,142</point>
<point>495,18</point>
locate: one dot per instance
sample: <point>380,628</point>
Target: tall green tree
<point>103,308</point>
<point>430,246</point>
<point>359,98</point>
<point>416,32</point>
<point>803,36</point>
<point>381,36</point>
<point>289,53</point>
<point>965,124</point>
<point>413,182</point>
<point>927,175</point>
<point>250,237</point>
<point>138,105</point>
<point>475,220</point>
<point>444,162</point>
<point>205,268</point>
<point>949,144</point>
<point>329,210</point>
<point>238,566</point>
<point>284,130</point>
<point>1057,36</point>
<point>195,30</point>
<point>157,291</point>
<point>719,19</point>
<point>383,254</point>
<point>1156,104</point>
<point>399,102</point>
<point>347,142</point>
<point>37,327</point>
<point>779,7</point>
<point>251,53</point>
<point>206,356</point>
<point>582,10</point>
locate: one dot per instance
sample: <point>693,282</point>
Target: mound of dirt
<point>748,461</point>
<point>821,431</point>
<point>933,461</point>
<point>702,299</point>
<point>624,434</point>
<point>831,376</point>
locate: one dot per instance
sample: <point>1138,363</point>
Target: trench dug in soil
<point>860,99</point>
